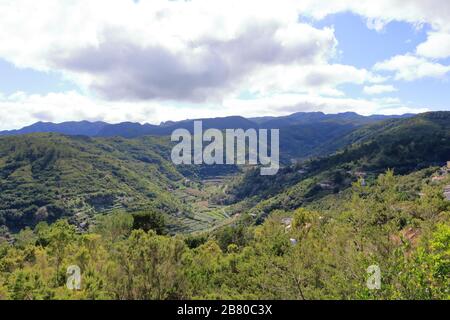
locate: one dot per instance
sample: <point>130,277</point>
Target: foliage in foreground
<point>408,237</point>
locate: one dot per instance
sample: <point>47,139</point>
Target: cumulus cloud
<point>379,89</point>
<point>322,79</point>
<point>126,49</point>
<point>437,46</point>
<point>206,67</point>
<point>410,68</point>
<point>170,50</point>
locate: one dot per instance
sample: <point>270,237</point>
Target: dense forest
<point>139,227</point>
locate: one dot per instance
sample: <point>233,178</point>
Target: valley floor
<point>206,215</point>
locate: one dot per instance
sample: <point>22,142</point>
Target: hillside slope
<point>46,176</point>
<point>405,145</point>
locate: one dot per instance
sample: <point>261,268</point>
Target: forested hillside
<point>402,227</point>
<point>48,176</point>
<point>404,145</point>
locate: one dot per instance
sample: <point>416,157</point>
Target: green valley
<point>140,227</point>
<point>45,177</point>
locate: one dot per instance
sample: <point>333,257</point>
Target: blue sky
<point>152,61</point>
<point>31,81</point>
<point>364,47</point>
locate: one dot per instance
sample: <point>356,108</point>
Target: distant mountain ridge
<point>302,135</point>
<point>132,130</point>
<point>82,128</point>
<point>314,117</point>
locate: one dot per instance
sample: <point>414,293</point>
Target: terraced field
<point>204,213</point>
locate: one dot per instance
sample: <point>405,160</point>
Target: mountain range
<point>302,134</point>
<point>132,130</point>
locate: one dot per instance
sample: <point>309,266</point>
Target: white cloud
<point>314,79</point>
<point>169,50</point>
<point>410,68</point>
<point>379,89</point>
<point>380,12</point>
<point>437,46</point>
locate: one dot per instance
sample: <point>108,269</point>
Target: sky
<point>150,61</point>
